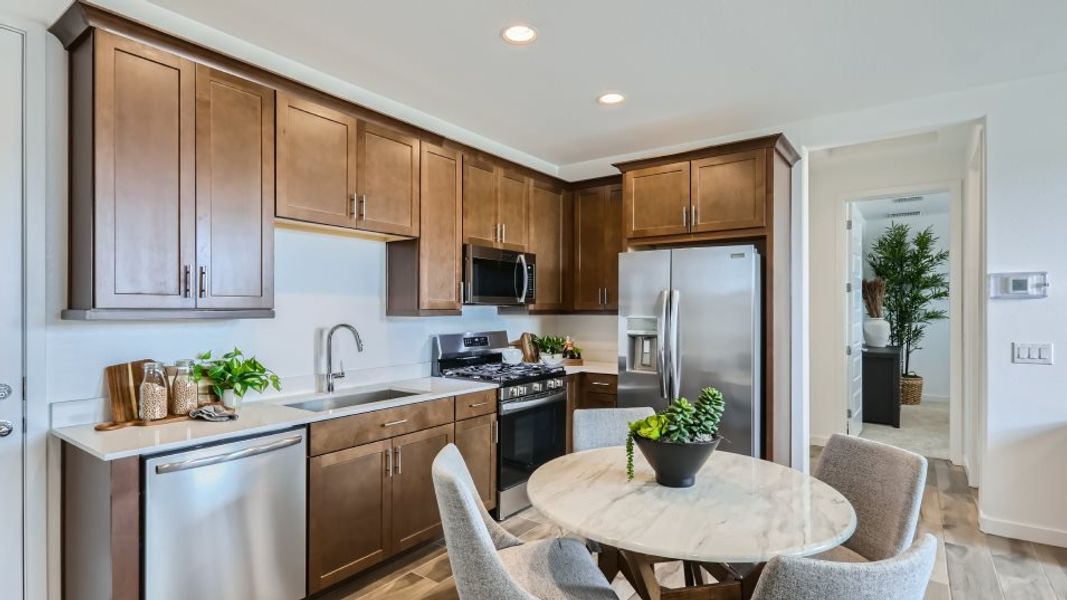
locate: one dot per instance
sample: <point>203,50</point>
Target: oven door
<point>497,277</point>
<point>533,431</point>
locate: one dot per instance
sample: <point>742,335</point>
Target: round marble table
<point>741,509</point>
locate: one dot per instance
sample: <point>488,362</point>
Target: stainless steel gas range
<point>532,408</point>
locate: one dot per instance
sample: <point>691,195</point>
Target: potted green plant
<point>550,347</point>
<point>679,440</point>
<point>915,277</point>
<point>233,375</point>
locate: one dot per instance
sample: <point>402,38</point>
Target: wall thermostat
<point>1019,286</point>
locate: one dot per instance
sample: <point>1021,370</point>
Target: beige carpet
<point>923,429</point>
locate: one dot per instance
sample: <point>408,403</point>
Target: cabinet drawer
<point>599,383</point>
<point>476,404</point>
<point>595,400</point>
<point>345,432</point>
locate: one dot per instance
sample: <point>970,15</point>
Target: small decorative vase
<point>876,332</point>
<point>552,360</point>
<point>230,400</point>
<point>676,465</point>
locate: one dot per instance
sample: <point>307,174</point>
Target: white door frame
<point>959,265</point>
<point>38,538</point>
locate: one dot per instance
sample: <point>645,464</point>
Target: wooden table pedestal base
<point>639,570</point>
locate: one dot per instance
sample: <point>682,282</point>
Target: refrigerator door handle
<point>672,332</point>
<point>662,357</point>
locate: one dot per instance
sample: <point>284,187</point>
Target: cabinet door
<point>479,203</point>
<point>388,181</point>
<point>656,200</point>
<point>729,192</point>
<point>545,240</point>
<point>234,192</point>
<point>589,252</point>
<point>476,440</point>
<point>316,163</point>
<point>415,515</point>
<point>512,190</point>
<point>349,512</point>
<point>612,246</point>
<point>440,244</point>
<point>145,176</point>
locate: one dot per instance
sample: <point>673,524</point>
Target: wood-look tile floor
<point>970,564</point>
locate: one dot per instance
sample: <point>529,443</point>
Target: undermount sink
<point>346,400</point>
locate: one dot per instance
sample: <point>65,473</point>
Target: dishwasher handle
<point>196,463</point>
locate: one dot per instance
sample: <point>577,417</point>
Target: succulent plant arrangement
<point>682,422</point>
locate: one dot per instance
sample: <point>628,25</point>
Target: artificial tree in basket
<point>914,274</point>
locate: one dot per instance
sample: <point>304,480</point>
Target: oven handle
<point>508,408</point>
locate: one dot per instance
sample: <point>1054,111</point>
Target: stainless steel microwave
<point>497,277</point>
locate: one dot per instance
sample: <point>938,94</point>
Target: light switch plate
<point>1031,353</point>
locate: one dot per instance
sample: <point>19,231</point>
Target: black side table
<point>881,385</point>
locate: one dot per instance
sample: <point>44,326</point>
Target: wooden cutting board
<point>123,383</point>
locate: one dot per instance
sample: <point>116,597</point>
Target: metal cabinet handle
<point>503,232</point>
<point>693,215</point>
<point>477,404</point>
<point>353,212</point>
<point>685,216</point>
<point>363,206</point>
<point>399,459</point>
<point>600,383</point>
<point>496,432</point>
<point>185,280</point>
<point>195,463</point>
<point>203,283</point>
<point>389,463</point>
<point>605,296</point>
<point>391,423</point>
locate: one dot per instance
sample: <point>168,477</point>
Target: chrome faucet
<point>330,375</point>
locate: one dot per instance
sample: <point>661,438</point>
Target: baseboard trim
<point>1022,531</point>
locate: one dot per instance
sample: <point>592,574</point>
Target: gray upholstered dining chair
<point>603,427</point>
<point>903,577</point>
<point>884,485</point>
<point>488,562</point>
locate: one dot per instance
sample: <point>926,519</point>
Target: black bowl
<point>676,465</point>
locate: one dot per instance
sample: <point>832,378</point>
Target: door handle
<point>676,367</point>
<point>662,359</point>
<point>525,278</point>
<point>503,233</point>
<point>203,283</point>
<point>693,215</point>
<point>6,427</point>
<point>363,206</point>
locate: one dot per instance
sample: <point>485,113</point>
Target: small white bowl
<point>511,356</point>
<point>552,360</point>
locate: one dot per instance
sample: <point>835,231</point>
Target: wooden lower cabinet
<point>597,391</point>
<point>349,509</point>
<point>476,440</point>
<point>415,516</point>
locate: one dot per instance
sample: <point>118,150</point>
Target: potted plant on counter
<point>550,347</point>
<point>233,375</point>
<point>678,441</point>
<point>914,273</point>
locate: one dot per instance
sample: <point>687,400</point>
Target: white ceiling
<point>691,69</point>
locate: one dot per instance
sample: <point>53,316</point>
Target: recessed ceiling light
<point>611,98</point>
<point>519,34</point>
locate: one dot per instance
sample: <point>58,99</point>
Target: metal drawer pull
<point>477,404</point>
<point>203,282</point>
<point>685,216</point>
<point>194,463</point>
<point>601,383</point>
<point>185,281</point>
<point>352,210</point>
<point>399,460</point>
<point>391,423</point>
<point>496,432</point>
<point>389,463</point>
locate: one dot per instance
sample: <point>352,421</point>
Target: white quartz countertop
<point>255,417</point>
<point>601,368</point>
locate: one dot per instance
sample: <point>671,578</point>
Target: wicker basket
<point>911,390</point>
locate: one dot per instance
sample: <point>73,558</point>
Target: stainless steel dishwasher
<point>227,521</point>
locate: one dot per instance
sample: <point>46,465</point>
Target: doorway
<point>12,338</point>
<point>915,418</point>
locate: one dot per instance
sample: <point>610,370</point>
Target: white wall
<point>596,335</point>
<point>932,360</point>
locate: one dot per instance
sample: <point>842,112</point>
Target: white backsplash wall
<point>320,280</point>
<point>594,334</point>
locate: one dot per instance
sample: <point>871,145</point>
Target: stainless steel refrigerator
<point>689,318</point>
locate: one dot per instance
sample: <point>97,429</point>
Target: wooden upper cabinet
<point>317,162</point>
<point>729,192</point>
<point>590,254</point>
<point>656,200</point>
<point>476,441</point>
<point>388,185</point>
<point>143,217</point>
<point>480,224</point>
<point>612,245</point>
<point>512,191</point>
<point>415,516</point>
<point>234,192</point>
<point>440,242</point>
<point>546,240</point>
<point>350,508</point>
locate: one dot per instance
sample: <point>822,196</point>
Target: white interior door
<point>855,319</point>
<point>11,369</point>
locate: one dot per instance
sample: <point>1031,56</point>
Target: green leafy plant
<point>914,274</point>
<point>549,344</point>
<point>235,372</point>
<point>682,422</point>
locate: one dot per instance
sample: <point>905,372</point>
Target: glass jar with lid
<point>153,393</point>
<point>183,391</point>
